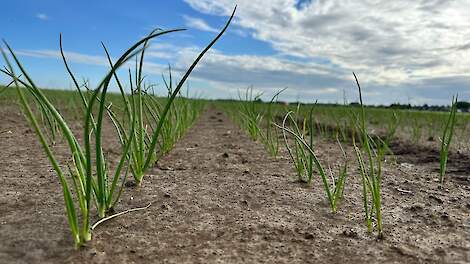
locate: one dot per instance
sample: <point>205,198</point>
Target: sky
<point>402,51</point>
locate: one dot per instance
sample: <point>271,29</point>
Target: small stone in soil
<point>130,184</point>
<point>416,207</point>
<point>225,155</point>
<point>167,195</point>
<point>403,250</point>
<point>437,199</point>
<point>445,216</point>
<point>440,251</point>
<point>309,236</point>
<point>350,233</point>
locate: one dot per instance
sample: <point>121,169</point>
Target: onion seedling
<point>88,185</point>
<point>250,112</point>
<point>47,121</point>
<point>183,113</point>
<point>447,139</point>
<point>371,175</point>
<point>392,126</point>
<point>304,158</point>
<point>270,138</point>
<point>250,116</point>
<point>144,143</point>
<point>3,89</point>
<point>416,131</point>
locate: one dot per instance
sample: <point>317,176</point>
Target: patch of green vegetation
<point>142,122</point>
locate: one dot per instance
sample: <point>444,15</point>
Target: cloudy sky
<point>402,51</point>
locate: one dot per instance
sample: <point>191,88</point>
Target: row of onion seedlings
<point>299,130</point>
<point>144,124</point>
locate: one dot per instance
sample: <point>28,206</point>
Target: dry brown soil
<point>219,198</point>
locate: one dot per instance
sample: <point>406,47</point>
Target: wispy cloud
<point>199,24</point>
<point>231,72</point>
<point>158,54</point>
<point>42,16</point>
<point>151,68</point>
<point>240,32</point>
<point>71,56</point>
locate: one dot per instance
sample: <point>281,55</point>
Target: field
<point>124,173</point>
<point>219,196</point>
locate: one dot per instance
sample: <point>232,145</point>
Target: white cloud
<point>268,74</point>
<point>42,16</point>
<point>199,24</point>
<point>389,43</point>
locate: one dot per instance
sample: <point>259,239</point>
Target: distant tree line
<point>462,106</point>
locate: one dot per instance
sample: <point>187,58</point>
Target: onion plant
<point>144,141</point>
<point>305,160</point>
<point>392,126</point>
<point>301,159</point>
<point>49,123</point>
<point>447,139</point>
<point>3,89</point>
<point>182,114</point>
<point>257,118</point>
<point>416,131</point>
<point>251,117</point>
<point>370,169</point>
<point>270,137</point>
<point>90,179</point>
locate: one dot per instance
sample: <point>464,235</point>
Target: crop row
<point>147,127</point>
<point>298,128</point>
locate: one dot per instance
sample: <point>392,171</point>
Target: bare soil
<point>219,198</point>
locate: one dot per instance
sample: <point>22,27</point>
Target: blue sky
<point>402,52</point>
